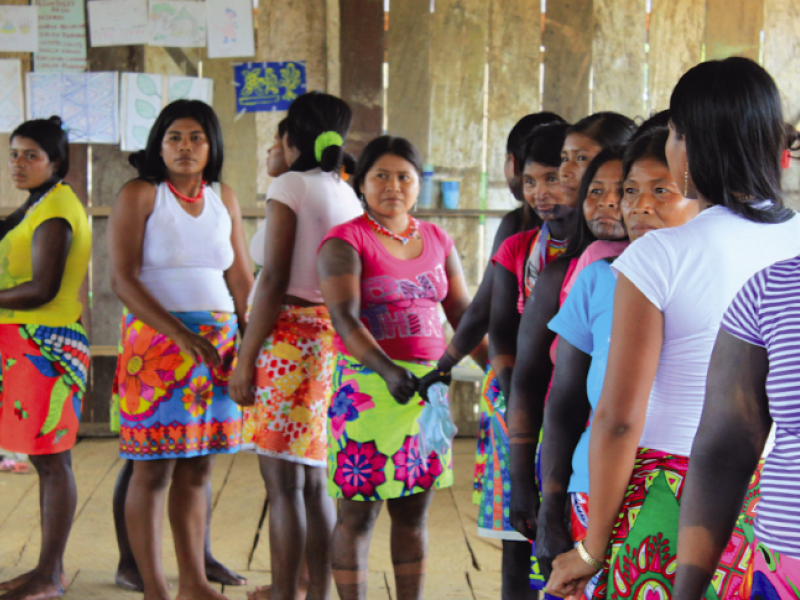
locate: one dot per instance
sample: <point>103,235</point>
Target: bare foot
<point>36,589</point>
<point>218,573</point>
<point>264,592</point>
<point>201,592</point>
<point>128,578</point>
<point>20,579</point>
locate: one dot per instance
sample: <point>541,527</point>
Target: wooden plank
<point>408,102</point>
<point>513,85</point>
<point>733,28</point>
<point>567,43</point>
<point>459,37</point>
<point>618,55</point>
<point>672,20</point>
<point>362,48</point>
<point>782,60</point>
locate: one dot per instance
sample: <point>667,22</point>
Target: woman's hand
<point>198,347</point>
<point>402,383</point>
<point>240,385</point>
<point>523,509</point>
<point>552,539</point>
<point>436,375</point>
<point>570,576</point>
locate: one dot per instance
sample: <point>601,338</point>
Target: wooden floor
<point>460,564</point>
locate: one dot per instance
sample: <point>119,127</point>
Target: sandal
<point>8,464</point>
<point>21,468</point>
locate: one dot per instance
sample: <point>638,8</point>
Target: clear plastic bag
<point>436,427</point>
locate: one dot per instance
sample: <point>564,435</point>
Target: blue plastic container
<point>425,199</point>
<point>450,193</point>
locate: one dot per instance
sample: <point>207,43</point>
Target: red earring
<point>786,159</point>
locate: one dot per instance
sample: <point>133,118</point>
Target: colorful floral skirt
<point>642,556</point>
<point>373,442</point>
<point>772,575</point>
<point>483,451</point>
<point>293,385</point>
<point>493,451</point>
<point>42,382</point>
<point>170,405</point>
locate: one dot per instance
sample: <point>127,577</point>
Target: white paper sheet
<point>145,94</point>
<point>88,104</point>
<point>117,22</point>
<point>62,37</point>
<point>230,28</point>
<point>178,23</point>
<point>19,28</point>
<point>12,108</point>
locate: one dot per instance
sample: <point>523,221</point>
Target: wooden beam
<point>677,30</point>
<point>618,56</point>
<point>733,28</point>
<point>513,84</point>
<point>362,50</point>
<point>568,33</point>
<point>408,102</point>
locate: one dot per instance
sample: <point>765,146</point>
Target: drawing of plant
<point>290,81</point>
<point>180,89</point>
<point>147,86</point>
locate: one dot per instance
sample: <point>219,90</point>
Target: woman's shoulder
<point>61,201</point>
<point>352,231</point>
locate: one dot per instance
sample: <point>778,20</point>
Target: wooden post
<point>408,102</point>
<point>513,85</point>
<point>362,53</point>
<point>618,57</point>
<point>677,29</point>
<point>568,33</point>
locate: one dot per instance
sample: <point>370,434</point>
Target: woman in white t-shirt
<point>725,146</point>
<point>286,358</point>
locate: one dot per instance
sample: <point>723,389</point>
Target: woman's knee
<point>194,472</point>
<point>410,512</point>
<point>358,518</point>
<point>152,475</point>
<point>284,479</point>
<point>52,464</point>
<point>316,483</point>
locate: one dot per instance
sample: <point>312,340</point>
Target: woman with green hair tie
<point>285,366</point>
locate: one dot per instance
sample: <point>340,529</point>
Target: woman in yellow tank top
<point>44,353</point>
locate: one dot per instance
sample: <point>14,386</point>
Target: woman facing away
<point>285,365</point>
<point>725,144</point>
<point>651,200</point>
<point>383,276</point>
<point>179,266</point>
<point>45,246</point>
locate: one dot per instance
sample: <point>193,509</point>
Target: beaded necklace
<point>411,232</point>
<point>187,199</point>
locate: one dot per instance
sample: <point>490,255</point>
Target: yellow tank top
<point>16,264</point>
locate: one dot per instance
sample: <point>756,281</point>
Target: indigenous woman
<point>383,276</point>
<point>652,200</point>
<point>179,266</point>
<point>286,361</point>
<point>725,144</point>
<point>44,354</point>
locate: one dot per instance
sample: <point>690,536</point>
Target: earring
<point>686,182</point>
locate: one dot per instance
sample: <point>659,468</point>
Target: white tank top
<point>184,258</point>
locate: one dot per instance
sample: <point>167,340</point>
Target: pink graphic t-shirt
<point>400,298</point>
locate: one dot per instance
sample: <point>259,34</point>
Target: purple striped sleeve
<point>741,319</point>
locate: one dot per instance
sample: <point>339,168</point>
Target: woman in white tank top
<point>179,265</point>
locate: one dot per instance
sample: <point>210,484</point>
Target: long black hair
<point>148,162</point>
<point>51,138</point>
<point>730,113</point>
<point>515,145</point>
<point>650,144</point>
<point>311,115</point>
<point>582,236</point>
<point>380,146</point>
<point>605,128</point>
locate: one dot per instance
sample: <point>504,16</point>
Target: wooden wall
<point>460,74</point>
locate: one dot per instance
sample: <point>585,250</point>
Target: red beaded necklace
<point>187,199</point>
<point>411,232</point>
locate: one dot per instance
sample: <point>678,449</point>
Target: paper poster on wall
<point>62,37</point>
<point>230,28</point>
<point>117,22</point>
<point>19,28</point>
<point>177,23</point>
<point>268,86</point>
<point>11,103</point>
<point>86,102</point>
<point>145,94</point>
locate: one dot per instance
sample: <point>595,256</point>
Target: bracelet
<point>587,558</point>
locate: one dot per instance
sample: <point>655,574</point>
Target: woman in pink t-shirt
<point>383,276</point>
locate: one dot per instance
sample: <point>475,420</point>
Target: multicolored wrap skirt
<point>42,382</point>
<point>373,442</point>
<point>170,405</point>
<point>772,575</point>
<point>292,383</point>
<point>642,556</point>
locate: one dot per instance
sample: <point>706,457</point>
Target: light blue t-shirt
<point>585,322</point>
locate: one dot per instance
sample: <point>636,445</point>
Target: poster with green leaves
<point>143,95</point>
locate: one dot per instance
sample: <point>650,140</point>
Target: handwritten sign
<point>117,22</point>
<point>62,37</point>
<point>268,86</point>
